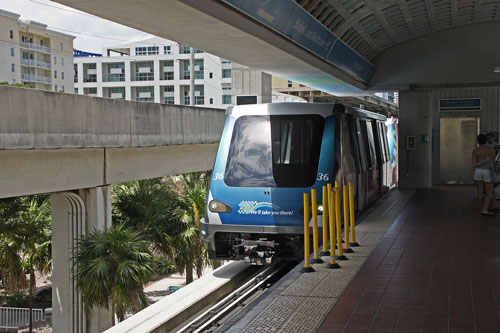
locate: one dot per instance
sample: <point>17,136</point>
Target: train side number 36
<point>219,176</point>
<point>323,176</point>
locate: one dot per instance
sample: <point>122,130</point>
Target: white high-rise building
<point>154,70</point>
<point>32,54</point>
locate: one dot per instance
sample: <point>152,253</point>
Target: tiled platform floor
<point>437,269</point>
<point>300,302</point>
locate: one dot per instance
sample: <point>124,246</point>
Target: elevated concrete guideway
<point>52,142</point>
<point>375,45</point>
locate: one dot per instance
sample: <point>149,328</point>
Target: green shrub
<point>15,300</point>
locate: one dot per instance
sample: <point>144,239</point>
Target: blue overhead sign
<point>465,104</point>
<point>291,20</point>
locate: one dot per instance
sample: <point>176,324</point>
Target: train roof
<point>324,109</point>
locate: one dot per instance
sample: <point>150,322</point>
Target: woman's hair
<point>481,139</point>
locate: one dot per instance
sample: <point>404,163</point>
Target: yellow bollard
<point>340,255</point>
<point>331,218</point>
<point>346,222</point>
<point>326,205</point>
<point>351,211</point>
<point>307,251</point>
<point>314,208</point>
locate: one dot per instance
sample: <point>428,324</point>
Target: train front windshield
<point>274,151</point>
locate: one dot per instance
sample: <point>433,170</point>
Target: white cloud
<point>74,23</point>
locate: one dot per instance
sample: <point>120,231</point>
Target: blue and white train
<point>270,154</point>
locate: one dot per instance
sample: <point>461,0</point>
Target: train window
<point>274,151</point>
<point>376,139</point>
<point>354,142</point>
<point>371,143</point>
<point>361,143</point>
<point>386,143</point>
<point>382,141</point>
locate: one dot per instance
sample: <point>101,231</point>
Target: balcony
<point>35,63</point>
<point>115,78</point>
<point>36,47</point>
<point>90,78</point>
<point>144,77</point>
<point>36,78</point>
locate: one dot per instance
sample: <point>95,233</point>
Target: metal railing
<point>38,63</point>
<point>16,317</point>
<point>32,46</point>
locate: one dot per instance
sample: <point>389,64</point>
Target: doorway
<point>457,141</point>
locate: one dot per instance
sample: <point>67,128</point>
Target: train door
<point>388,164</point>
<point>349,169</point>
<point>362,176</point>
<point>383,156</point>
<point>373,187</point>
<point>380,157</point>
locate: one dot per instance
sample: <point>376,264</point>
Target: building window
<point>169,100</point>
<point>142,50</point>
<point>152,50</point>
<point>62,75</point>
<point>90,73</point>
<point>226,90</point>
<point>226,99</point>
<point>167,49</point>
<point>211,75</point>
<point>55,74</point>
<point>75,76</point>
<point>11,51</point>
<point>62,61</point>
<point>144,71</point>
<point>169,63</point>
<point>224,61</point>
<point>199,69</point>
<point>169,75</point>
<point>13,68</point>
<point>169,89</point>
<point>185,74</point>
<point>226,73</point>
<point>11,34</point>
<point>116,72</point>
<point>116,92</point>
<point>62,89</point>
<point>62,46</point>
<point>55,87</point>
<point>198,51</point>
<point>76,90</point>
<point>290,83</point>
<point>55,60</point>
<point>144,94</point>
<point>211,101</point>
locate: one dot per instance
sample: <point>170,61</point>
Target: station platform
<point>428,262</point>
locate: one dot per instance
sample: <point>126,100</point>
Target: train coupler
<point>256,252</point>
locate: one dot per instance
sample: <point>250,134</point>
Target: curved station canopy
<point>337,46</point>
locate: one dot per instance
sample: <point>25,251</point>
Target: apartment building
<point>154,70</point>
<point>32,54</point>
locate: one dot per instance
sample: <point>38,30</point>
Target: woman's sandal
<point>487,214</point>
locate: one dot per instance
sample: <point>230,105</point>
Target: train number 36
<point>219,176</point>
<point>323,176</point>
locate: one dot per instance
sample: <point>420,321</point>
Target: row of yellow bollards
<point>332,223</point>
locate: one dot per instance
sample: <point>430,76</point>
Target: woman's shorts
<point>483,175</point>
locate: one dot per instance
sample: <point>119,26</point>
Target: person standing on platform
<point>482,160</point>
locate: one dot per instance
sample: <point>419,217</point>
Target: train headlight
<point>320,209</point>
<point>219,207</point>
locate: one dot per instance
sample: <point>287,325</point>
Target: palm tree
<point>111,267</point>
<point>191,190</point>
<point>25,243</point>
<point>147,206</point>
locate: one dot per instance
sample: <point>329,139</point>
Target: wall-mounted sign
<point>460,104</point>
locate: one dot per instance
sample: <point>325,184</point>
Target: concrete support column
<point>415,119</point>
<point>73,215</point>
<point>156,75</point>
<point>248,81</point>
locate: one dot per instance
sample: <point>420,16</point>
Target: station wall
<point>420,115</point>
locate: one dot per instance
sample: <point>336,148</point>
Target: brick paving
<point>436,269</point>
